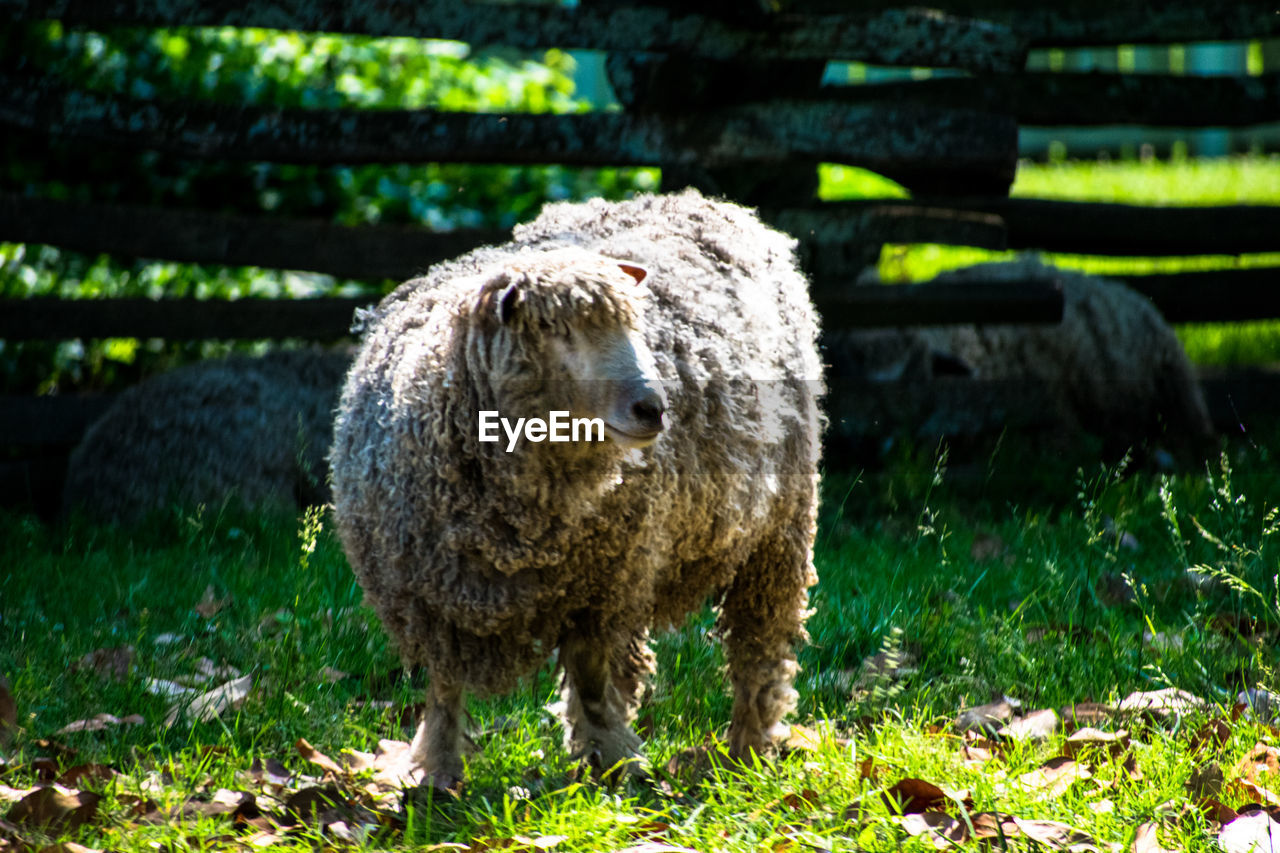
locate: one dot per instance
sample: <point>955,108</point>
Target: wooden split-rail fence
<point>729,97</point>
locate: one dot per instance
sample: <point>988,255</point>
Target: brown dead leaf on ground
<point>1259,761</point>
<point>1086,740</point>
<point>207,706</point>
<point>54,809</point>
<point>976,749</point>
<point>1205,782</point>
<point>1056,835</point>
<point>911,795</point>
<point>13,795</point>
<point>112,663</point>
<point>81,773</point>
<point>942,830</point>
<point>1053,778</point>
<point>1255,832</point>
<point>1086,714</point>
<point>210,604</point>
<point>985,718</point>
<point>808,739</point>
<point>1212,736</point>
<point>270,773</point>
<point>210,670</point>
<point>1052,834</point>
<point>1170,703</point>
<point>1146,840</point>
<point>1035,726</point>
<point>101,722</point>
<point>318,758</point>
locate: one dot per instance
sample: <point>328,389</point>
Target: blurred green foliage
<point>257,67</point>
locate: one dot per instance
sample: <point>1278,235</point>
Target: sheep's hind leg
<point>437,746</point>
<point>596,719</point>
<point>762,616</point>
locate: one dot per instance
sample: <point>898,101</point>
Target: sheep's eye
<point>507,305</point>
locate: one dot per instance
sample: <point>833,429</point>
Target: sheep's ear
<point>507,303</point>
<point>638,273</point>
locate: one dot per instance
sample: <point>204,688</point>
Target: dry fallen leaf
<point>915,796</point>
<point>211,671</point>
<point>81,773</point>
<point>1145,840</point>
<point>207,706</point>
<point>1086,714</point>
<point>942,830</point>
<point>1260,761</point>
<point>101,722</point>
<point>1055,835</point>
<point>1256,832</point>
<point>1053,778</point>
<point>210,604</point>
<point>1035,726</point>
<point>269,773</point>
<point>318,758</point>
<point>985,718</point>
<point>54,809</point>
<point>1087,739</point>
<point>112,663</point>
<point>1170,702</point>
<point>1205,782</point>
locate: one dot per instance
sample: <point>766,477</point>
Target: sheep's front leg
<point>437,747</point>
<point>762,617</point>
<point>596,725</point>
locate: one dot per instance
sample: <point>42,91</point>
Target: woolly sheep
<point>1112,367</point>
<point>253,430</point>
<point>685,326</point>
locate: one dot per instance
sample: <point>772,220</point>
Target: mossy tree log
<point>889,36</point>
<point>900,140</point>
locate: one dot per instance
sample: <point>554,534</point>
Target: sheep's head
<point>564,330</point>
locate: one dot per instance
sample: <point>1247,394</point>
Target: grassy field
<point>937,594</point>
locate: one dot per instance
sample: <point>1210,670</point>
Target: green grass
<point>986,595</point>
<point>1252,179</point>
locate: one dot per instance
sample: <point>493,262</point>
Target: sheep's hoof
<point>434,784</point>
<point>626,770</point>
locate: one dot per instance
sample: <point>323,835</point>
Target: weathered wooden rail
<point>725,95</point>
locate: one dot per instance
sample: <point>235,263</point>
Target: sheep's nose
<point>647,411</point>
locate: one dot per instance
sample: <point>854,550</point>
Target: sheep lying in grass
<point>684,326</point>
<point>1112,368</point>
<point>252,431</point>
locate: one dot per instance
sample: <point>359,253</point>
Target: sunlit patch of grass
<point>1244,179</point>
